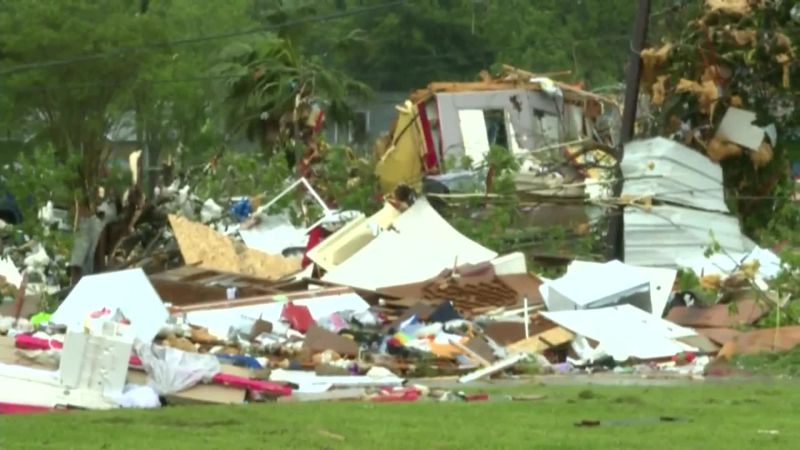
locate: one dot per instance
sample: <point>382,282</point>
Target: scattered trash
<point>527,398</point>
<point>628,422</point>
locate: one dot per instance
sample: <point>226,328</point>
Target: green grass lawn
<point>738,416</point>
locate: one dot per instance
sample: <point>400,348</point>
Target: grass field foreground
<point>741,416</point>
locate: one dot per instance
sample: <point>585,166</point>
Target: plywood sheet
<point>202,246</point>
<point>540,342</point>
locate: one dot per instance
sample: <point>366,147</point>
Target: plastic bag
<point>143,397</point>
<point>171,370</point>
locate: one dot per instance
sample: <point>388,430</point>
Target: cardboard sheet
<point>747,312</point>
<point>198,394</point>
<point>208,249</point>
<point>625,331</point>
<point>419,246</point>
<point>127,290</point>
<point>737,127</point>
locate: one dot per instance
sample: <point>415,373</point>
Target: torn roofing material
<point>471,287</point>
<point>671,172</point>
<point>419,245</point>
<point>626,331</point>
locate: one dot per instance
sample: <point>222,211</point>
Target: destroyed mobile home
<point>358,306</point>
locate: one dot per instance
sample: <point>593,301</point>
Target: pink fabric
<point>253,385</point>
<point>399,395</point>
<point>14,408</point>
<point>28,342</point>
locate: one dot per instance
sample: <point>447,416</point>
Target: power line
<point>196,40</point>
<point>407,70</point>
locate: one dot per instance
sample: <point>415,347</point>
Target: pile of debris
<point>244,305</point>
<point>382,300</point>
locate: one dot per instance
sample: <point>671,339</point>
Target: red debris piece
<point>298,317</point>
<point>397,395</point>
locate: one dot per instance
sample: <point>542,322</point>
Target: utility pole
<point>617,225</point>
<point>634,72</point>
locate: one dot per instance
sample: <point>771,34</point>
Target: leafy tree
<point>73,69</point>
<point>270,88</point>
<point>171,95</point>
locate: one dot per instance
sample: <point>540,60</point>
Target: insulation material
<point>419,246</point>
<point>204,247</point>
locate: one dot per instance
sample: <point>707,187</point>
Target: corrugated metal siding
<point>673,173</point>
<point>667,233</point>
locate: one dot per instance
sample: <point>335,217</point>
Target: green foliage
<point>242,174</point>
<point>408,46</point>
<point>347,182</point>
<point>72,105</point>
<point>40,177</point>
<point>781,364</point>
<point>264,81</point>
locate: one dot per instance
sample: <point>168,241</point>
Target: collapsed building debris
<point>374,301</point>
